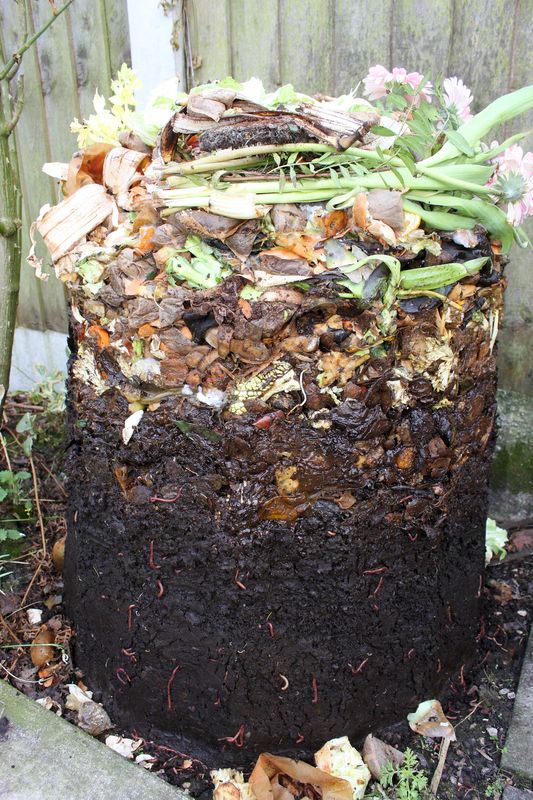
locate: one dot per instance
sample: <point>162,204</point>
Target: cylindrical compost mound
<point>281,418</point>
<point>278,587</point>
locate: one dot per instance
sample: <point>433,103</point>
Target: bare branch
<point>17,106</point>
<point>22,4</point>
<point>12,65</point>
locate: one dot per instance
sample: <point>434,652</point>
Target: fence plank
<point>255,41</point>
<point>88,25</point>
<point>305,39</point>
<point>421,35</point>
<point>117,39</point>
<point>481,46</point>
<point>361,39</point>
<point>210,39</point>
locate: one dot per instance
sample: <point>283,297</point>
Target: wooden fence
<point>318,45</point>
<point>79,53</point>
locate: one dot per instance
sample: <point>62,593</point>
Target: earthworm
<point>314,684</point>
<point>151,563</point>
<point>169,686</point>
<point>358,669</point>
<point>121,671</point>
<point>156,499</point>
<point>239,583</point>
<point>237,740</point>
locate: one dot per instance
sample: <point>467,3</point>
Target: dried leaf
<point>386,205</point>
<point>64,225</point>
<point>377,753</point>
<point>122,167</point>
<point>265,779</point>
<point>201,107</point>
<point>429,720</point>
<point>86,166</point>
<point>346,501</point>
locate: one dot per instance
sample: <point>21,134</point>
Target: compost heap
<point>282,398</point>
<point>251,306</point>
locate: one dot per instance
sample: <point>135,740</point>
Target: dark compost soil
<point>221,608</point>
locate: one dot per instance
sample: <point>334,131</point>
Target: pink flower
<point>514,180</point>
<point>375,82</point>
<point>379,78</point>
<point>457,97</point>
<point>514,160</point>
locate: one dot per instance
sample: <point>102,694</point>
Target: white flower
<point>457,97</point>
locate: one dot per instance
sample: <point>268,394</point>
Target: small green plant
<point>495,540</point>
<point>13,498</point>
<point>406,781</point>
<point>49,391</point>
<point>496,787</point>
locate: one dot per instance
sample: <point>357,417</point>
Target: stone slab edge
<point>44,757</point>
<point>517,756</point>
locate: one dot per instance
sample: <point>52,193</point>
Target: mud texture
<point>237,589</point>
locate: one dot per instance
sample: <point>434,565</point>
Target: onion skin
<point>58,554</point>
<point>41,651</point>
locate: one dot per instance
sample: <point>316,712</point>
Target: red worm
<point>131,655</point>
<point>239,583</point>
<point>237,740</point>
<point>121,671</point>
<point>160,590</point>
<point>314,684</point>
<point>156,499</point>
<point>130,609</point>
<point>358,669</point>
<point>169,686</point>
<point>151,563</point>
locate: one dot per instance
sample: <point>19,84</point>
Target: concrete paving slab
<point>44,757</point>
<point>517,756</point>
<point>513,793</point>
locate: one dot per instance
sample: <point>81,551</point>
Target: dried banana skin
<point>311,577</point>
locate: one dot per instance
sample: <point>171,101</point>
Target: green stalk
<point>428,278</point>
<point>439,220</point>
<point>489,215</point>
<point>194,167</point>
<point>299,147</point>
<point>294,194</point>
<point>453,183</point>
<point>495,151</point>
<point>496,113</point>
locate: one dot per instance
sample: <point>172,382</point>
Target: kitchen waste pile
<point>282,401</point>
<point>258,259</point>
